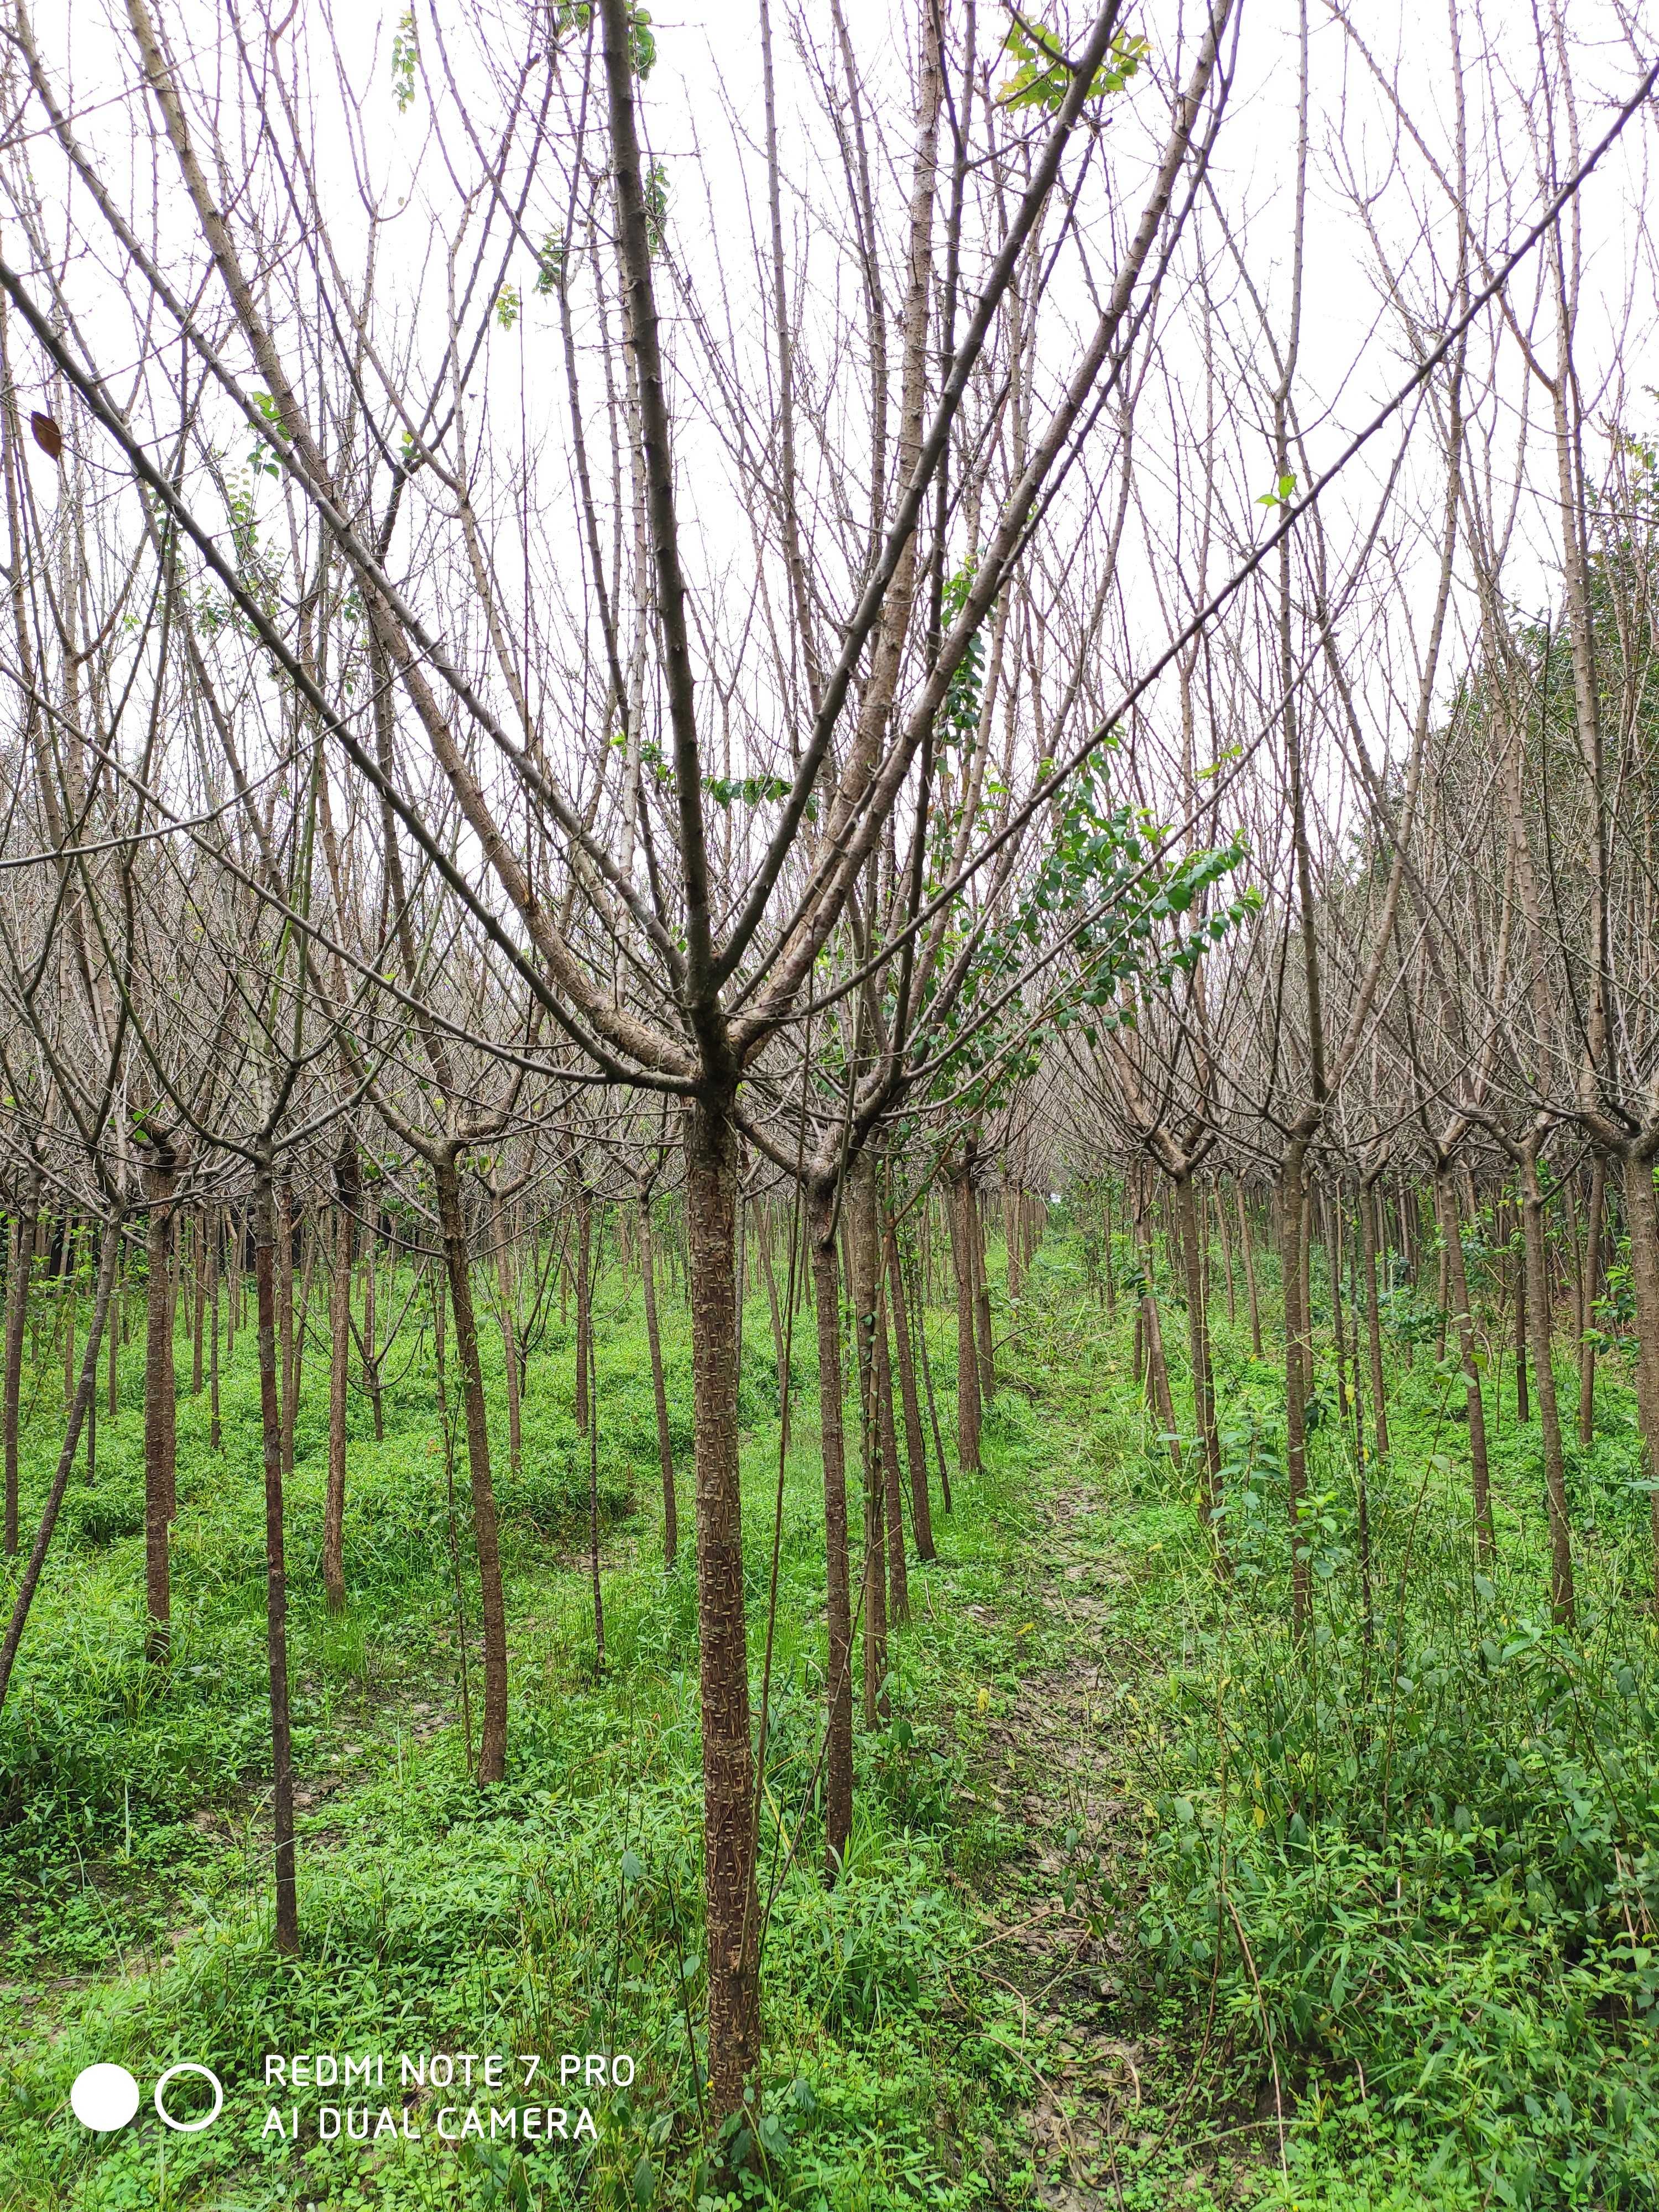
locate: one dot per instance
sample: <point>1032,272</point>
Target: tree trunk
<point>198,1302</point>
<point>838,1607</point>
<point>1152,1338</point>
<point>1451,1234</point>
<point>1590,1289</point>
<point>1539,1319</point>
<point>915,1451</point>
<point>509,1306</point>
<point>976,1253</point>
<point>452,1219</point>
<point>161,1181</point>
<point>285,1318</point>
<point>17,1306</point>
<point>348,1189</point>
<point>272,1427</point>
<point>898,1579</point>
<point>1247,1254</point>
<point>959,1202</point>
<point>584,1300</point>
<point>1373,1319</point>
<point>1293,1204</point>
<point>109,1262</point>
<point>1642,1219</point>
<point>1198,1341</point>
<point>215,1431</point>
<point>728,1767</point>
<point>671,1522</point>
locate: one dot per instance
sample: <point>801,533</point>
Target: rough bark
<point>1562,1602</point>
<point>728,1777</point>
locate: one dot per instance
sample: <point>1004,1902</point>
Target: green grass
<point>1410,1873</point>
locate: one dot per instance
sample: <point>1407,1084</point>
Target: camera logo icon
<point>105,2098</point>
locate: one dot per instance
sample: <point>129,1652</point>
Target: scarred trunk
<point>728,1769</point>
<point>348,1192</point>
<point>271,1428</point>
<point>670,1523</point>
<point>458,1266</point>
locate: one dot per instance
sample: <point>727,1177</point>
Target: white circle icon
<point>104,2098</point>
<point>191,2127</point>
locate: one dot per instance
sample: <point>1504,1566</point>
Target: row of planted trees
<point>765,745</point>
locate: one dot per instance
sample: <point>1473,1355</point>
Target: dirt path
<point>1055,1771</point>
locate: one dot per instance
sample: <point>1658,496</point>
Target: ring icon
<point>190,2127</point>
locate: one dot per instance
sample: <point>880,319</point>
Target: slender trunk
<point>1226,1257</point>
<point>215,1429</point>
<point>671,1520</point>
<point>988,1364</point>
<point>583,1292</point>
<point>371,1355</point>
<point>109,1262</point>
<point>1589,1292</point>
<point>778,1355</point>
<point>285,1318</point>
<point>898,1579</point>
<point>1373,1319</point>
<point>348,1189</point>
<point>1292,1203</point>
<point>838,1753</point>
<point>926,1364</point>
<point>1451,1232</point>
<point>593,1505</point>
<point>452,1219</point>
<point>1248,1254</point>
<point>920,1510</point>
<point>272,1428</point>
<point>1522,1407</point>
<point>17,1305</point>
<point>1151,1338</point>
<point>859,1212</point>
<point>728,1766</point>
<point>1198,1342</point>
<point>1641,1220</point>
<point>198,1293</point>
<point>509,1309</point>
<point>161,1181</point>
<point>960,1200</point>
<point>1555,1478</point>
